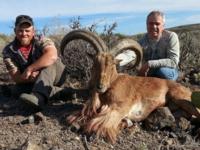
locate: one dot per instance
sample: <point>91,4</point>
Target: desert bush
<point>75,23</point>
<point>108,35</point>
<point>75,57</point>
<point>4,40</point>
<point>189,51</point>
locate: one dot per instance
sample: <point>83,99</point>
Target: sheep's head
<point>105,64</point>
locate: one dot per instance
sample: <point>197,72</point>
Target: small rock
<point>173,135</point>
<point>160,118</point>
<point>75,127</point>
<point>77,138</point>
<point>56,148</point>
<point>184,124</point>
<point>38,117</point>
<point>31,119</point>
<point>169,141</point>
<point>29,145</point>
<point>2,145</point>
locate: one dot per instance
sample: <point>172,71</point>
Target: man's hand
<point>144,70</point>
<point>25,77</point>
<point>29,74</point>
<point>34,75</point>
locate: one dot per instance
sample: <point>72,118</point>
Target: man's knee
<point>167,73</point>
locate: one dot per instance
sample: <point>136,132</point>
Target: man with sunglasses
<point>33,63</point>
<point>161,49</point>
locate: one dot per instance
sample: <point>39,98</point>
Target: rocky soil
<point>23,128</point>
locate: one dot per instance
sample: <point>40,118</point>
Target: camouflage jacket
<point>13,58</point>
<point>162,53</point>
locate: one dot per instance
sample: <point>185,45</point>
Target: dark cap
<point>23,19</point>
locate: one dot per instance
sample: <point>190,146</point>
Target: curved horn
<point>130,44</point>
<point>88,36</point>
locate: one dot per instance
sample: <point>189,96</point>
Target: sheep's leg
<point>187,106</point>
<point>181,96</point>
<point>92,105</point>
<point>106,123</point>
<point>74,117</point>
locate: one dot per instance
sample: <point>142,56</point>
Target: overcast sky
<point>130,15</point>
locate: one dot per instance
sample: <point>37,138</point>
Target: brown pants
<point>50,83</point>
<point>51,80</point>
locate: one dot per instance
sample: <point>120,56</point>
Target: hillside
<point>186,28</point>
<point>189,36</point>
<point>22,128</point>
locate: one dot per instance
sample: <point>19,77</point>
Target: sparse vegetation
<point>48,130</point>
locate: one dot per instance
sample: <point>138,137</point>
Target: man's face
<point>155,26</point>
<point>24,33</point>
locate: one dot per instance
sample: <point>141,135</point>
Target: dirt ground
<point>23,128</point>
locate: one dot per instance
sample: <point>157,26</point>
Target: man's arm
<point>15,73</point>
<point>48,57</point>
<point>143,70</point>
<point>173,54</point>
<point>18,78</point>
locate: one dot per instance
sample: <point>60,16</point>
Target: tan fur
<point>118,96</point>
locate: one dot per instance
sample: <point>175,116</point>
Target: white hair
<point>156,13</point>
